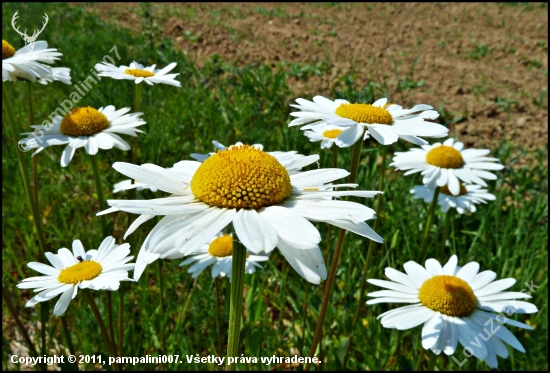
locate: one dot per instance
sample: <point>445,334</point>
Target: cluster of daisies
<point>269,201</point>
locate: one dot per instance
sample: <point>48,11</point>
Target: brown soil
<point>485,63</point>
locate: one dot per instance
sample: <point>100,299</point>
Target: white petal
<point>63,302</point>
<point>254,232</point>
<point>43,268</point>
<point>468,272</point>
<point>496,286</point>
<point>297,231</point>
<point>431,330</point>
<point>308,263</point>
<point>382,133</point>
<point>416,272</point>
<point>450,267</point>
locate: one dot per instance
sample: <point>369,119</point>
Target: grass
<point>223,102</point>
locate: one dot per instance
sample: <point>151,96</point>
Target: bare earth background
<point>485,64</point>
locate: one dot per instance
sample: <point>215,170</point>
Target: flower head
<point>268,206</point>
<point>329,135</point>
<point>452,303</point>
<point>100,269</point>
<point>85,127</point>
<point>219,253</point>
<point>443,164</point>
<point>29,63</point>
<point>467,198</point>
<point>386,122</point>
<point>139,73</point>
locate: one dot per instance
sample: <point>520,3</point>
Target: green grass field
<point>227,103</point>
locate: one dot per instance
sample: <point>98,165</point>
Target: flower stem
<point>218,314</point>
<point>31,121</point>
<point>121,320</point>
<point>428,226</point>
<point>9,304</point>
<point>100,197</point>
<point>101,324</point>
<point>397,351</point>
<point>162,305</point>
<point>8,106</point>
<point>137,107</point>
<point>236,303</point>
<point>356,157</point>
<point>368,258</point>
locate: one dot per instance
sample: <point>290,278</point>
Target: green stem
<point>356,157</point>
<point>8,106</point>
<point>304,318</point>
<point>236,303</point>
<point>218,314</point>
<point>31,122</point>
<point>100,196</point>
<point>397,351</point>
<point>101,324</point>
<point>121,320</point>
<point>369,256</point>
<point>67,333</point>
<point>9,304</point>
<point>428,226</point>
<point>162,305</point>
<point>137,107</point>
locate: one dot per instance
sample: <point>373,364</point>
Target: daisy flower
<point>100,269</point>
<point>219,252</point>
<point>443,164</point>
<point>139,73</point>
<point>29,63</point>
<point>466,199</point>
<point>252,189</point>
<point>329,135</point>
<point>385,122</point>
<point>86,127</point>
<point>452,303</point>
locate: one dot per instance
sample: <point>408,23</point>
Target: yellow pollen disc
<point>445,157</point>
<point>332,134</point>
<point>364,113</point>
<point>449,295</point>
<point>445,190</point>
<point>241,177</point>
<point>221,246</point>
<point>139,73</point>
<point>84,121</point>
<point>7,50</point>
<point>80,272</point>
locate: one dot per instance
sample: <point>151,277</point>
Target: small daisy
<point>219,251</point>
<point>86,127</point>
<point>385,122</point>
<point>29,63</point>
<point>465,201</point>
<point>100,269</point>
<point>127,184</point>
<point>268,206</point>
<point>139,73</point>
<point>443,164</point>
<point>451,302</point>
<point>329,135</point>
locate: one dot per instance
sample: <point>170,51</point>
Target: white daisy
<point>329,135</point>
<point>253,190</point>
<point>100,269</point>
<point>85,127</point>
<point>29,63</point>
<point>443,164</point>
<point>139,73</point>
<point>219,252</point>
<point>385,122</point>
<point>452,302</point>
<point>465,201</point>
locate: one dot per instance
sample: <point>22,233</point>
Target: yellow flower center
<point>139,73</point>
<point>364,113</point>
<point>332,134</point>
<point>445,157</point>
<point>221,246</point>
<point>449,295</point>
<point>83,122</point>
<point>7,50</point>
<point>79,272</point>
<point>241,177</point>
<point>445,190</point>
